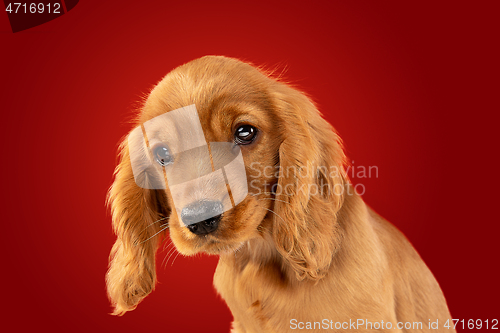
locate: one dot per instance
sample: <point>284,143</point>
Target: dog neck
<point>260,252</point>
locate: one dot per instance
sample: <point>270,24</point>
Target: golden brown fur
<point>300,254</point>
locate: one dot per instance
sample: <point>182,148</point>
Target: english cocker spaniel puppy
<point>298,247</point>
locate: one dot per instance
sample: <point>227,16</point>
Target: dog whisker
<point>167,245</point>
<point>272,211</point>
<point>273,199</point>
<point>169,255</point>
<point>170,248</point>
<point>161,230</point>
<point>175,258</point>
<point>163,218</point>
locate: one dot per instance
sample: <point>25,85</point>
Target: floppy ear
<point>139,217</point>
<point>310,187</point>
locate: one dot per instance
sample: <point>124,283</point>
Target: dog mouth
<point>213,245</point>
<point>219,248</point>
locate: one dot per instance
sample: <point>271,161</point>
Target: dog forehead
<point>170,96</point>
<point>221,88</point>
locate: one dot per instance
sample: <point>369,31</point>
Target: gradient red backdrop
<point>412,88</point>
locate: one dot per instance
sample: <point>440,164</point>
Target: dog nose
<point>205,227</point>
<point>202,217</point>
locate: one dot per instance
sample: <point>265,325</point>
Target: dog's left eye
<point>245,134</point>
<point>162,154</point>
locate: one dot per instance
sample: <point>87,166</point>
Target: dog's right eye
<point>162,154</point>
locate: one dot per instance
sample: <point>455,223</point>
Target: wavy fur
<point>302,245</point>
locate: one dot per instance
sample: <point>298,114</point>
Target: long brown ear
<point>310,187</point>
<point>139,217</point>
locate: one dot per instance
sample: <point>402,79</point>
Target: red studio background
<point>412,88</point>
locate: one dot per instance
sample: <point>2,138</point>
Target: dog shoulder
<point>417,292</point>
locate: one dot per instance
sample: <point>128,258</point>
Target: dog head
<point>293,175</point>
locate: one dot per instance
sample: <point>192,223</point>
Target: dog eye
<point>162,154</point>
<point>245,134</point>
